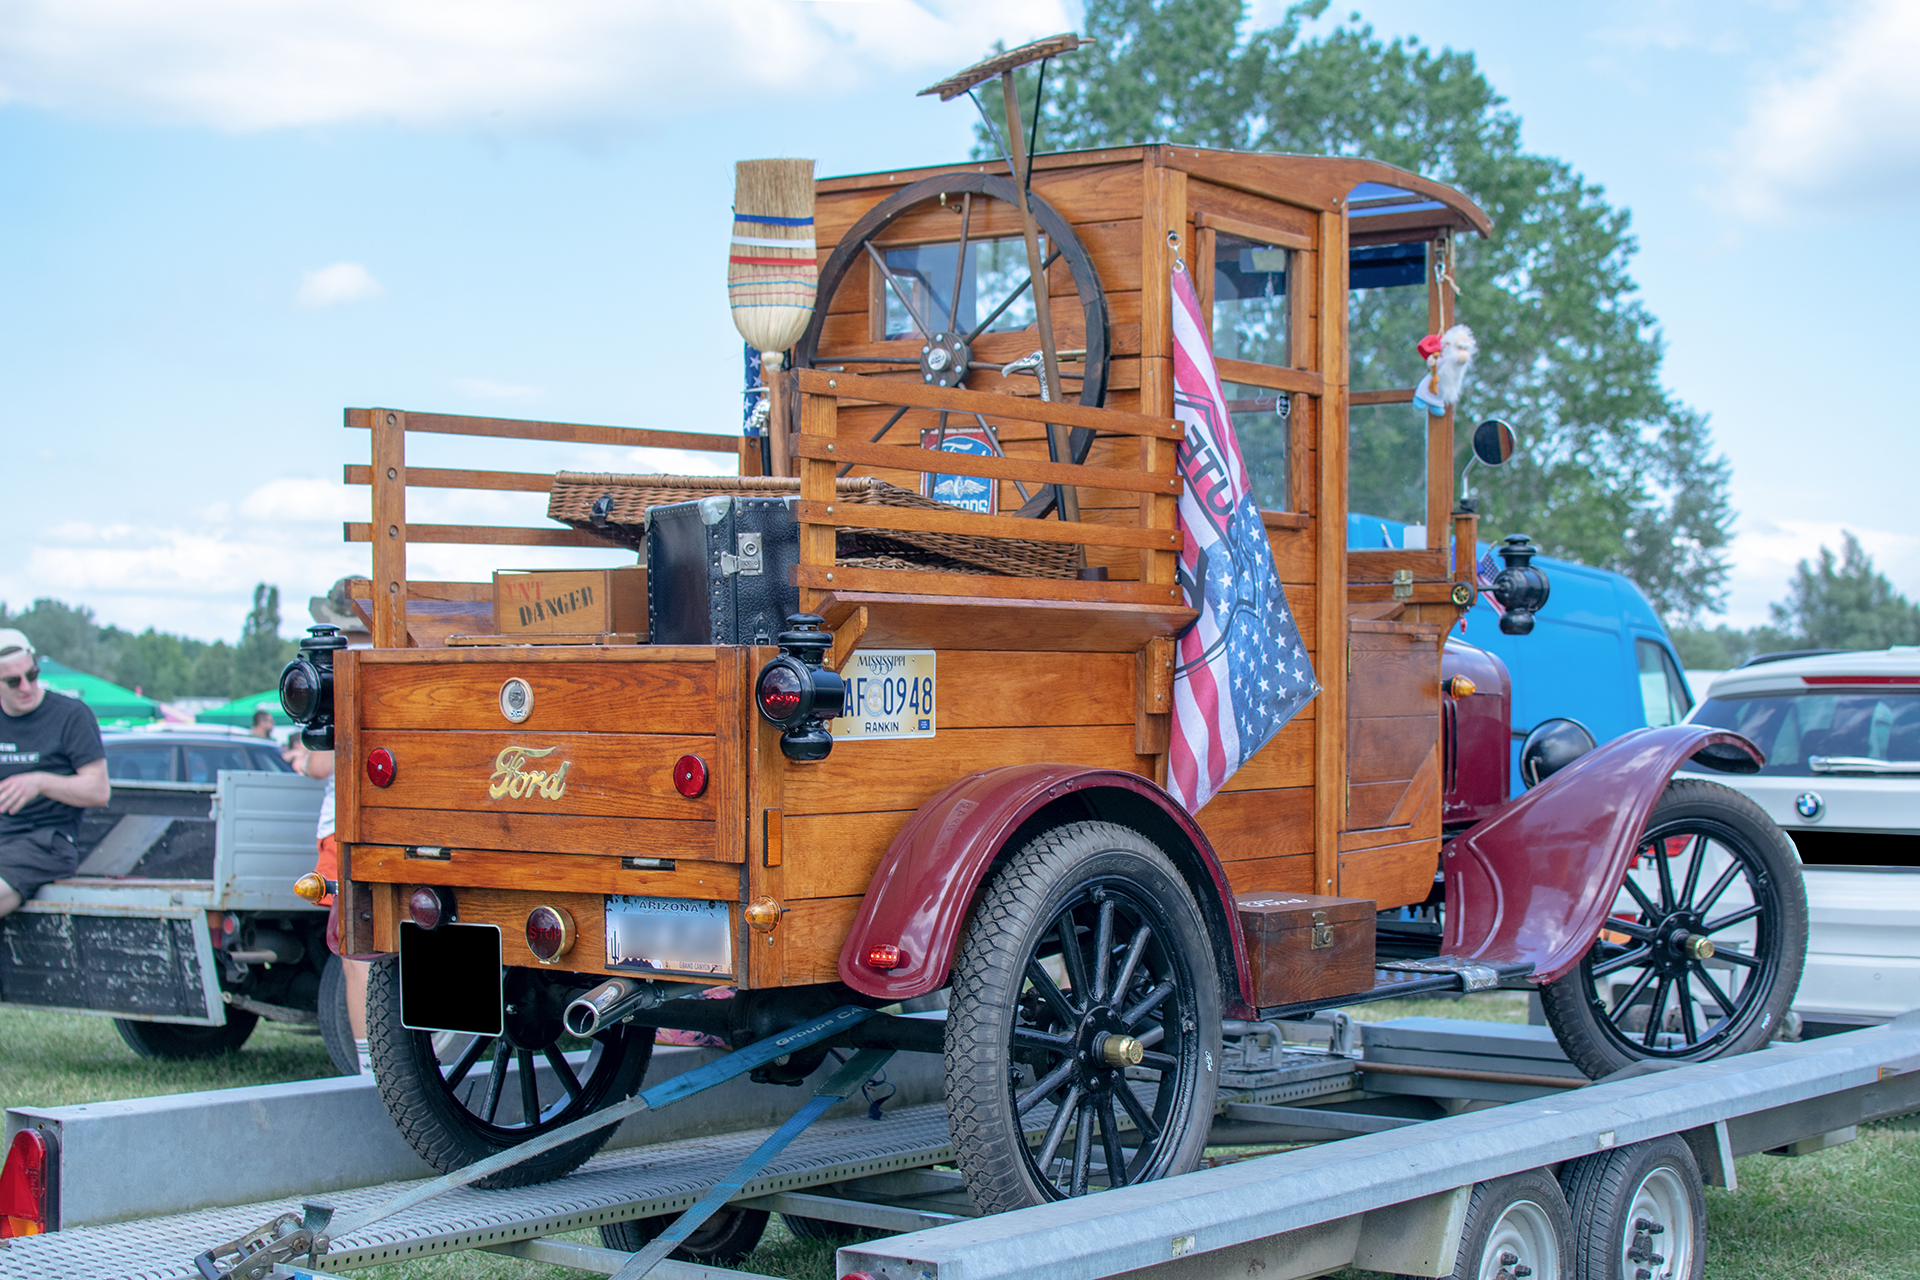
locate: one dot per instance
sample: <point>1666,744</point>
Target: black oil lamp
<point>1521,589</point>
<point>306,686</point>
<point>798,693</point>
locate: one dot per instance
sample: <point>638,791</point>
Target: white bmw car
<point>1842,737</point>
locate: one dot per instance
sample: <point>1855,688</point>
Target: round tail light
<point>690,776</point>
<point>780,692</point>
<point>381,767</point>
<point>429,907</point>
<point>549,933</point>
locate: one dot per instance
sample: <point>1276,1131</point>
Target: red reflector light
<point>381,767</point>
<point>690,776</point>
<point>23,1186</point>
<point>884,956</point>
<point>779,692</point>
<point>429,908</point>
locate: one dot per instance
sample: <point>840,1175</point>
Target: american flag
<point>1487,570</point>
<point>1242,671</point>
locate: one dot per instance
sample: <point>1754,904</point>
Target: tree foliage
<point>1615,472</point>
<point>161,665</point>
<point>1833,602</point>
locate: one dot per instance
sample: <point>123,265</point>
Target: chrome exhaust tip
<point>605,1005</point>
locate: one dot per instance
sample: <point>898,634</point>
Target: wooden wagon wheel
<point>941,352</point>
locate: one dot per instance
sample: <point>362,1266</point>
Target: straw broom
<point>772,274</point>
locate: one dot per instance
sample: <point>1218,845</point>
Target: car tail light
<point>429,907</point>
<point>381,767</point>
<point>780,692</point>
<point>549,933</point>
<point>798,693</point>
<point>885,956</point>
<point>690,776</point>
<point>26,1185</point>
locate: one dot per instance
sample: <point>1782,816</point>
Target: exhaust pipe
<point>611,1002</point>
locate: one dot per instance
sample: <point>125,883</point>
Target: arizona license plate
<point>668,935</point>
<point>890,694</point>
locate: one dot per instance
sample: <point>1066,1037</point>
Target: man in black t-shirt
<point>52,765</point>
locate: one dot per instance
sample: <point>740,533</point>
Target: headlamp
<point>306,686</point>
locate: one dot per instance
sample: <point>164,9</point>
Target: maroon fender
<point>1534,881</point>
<point>925,886</point>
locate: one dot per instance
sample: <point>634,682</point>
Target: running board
<point>1394,979</point>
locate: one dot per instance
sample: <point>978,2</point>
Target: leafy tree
<point>1615,472</point>
<point>1846,604</point>
<point>261,652</point>
<point>1722,648</point>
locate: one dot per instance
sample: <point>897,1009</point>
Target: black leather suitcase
<point>720,570</point>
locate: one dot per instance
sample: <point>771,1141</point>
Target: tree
<point>1846,605</point>
<point>261,653</point>
<point>1615,472</point>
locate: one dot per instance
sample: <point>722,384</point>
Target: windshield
<point>1814,732</point>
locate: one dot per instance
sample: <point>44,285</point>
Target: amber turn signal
<point>762,913</point>
<point>311,886</point>
<point>1460,687</point>
<point>884,956</point>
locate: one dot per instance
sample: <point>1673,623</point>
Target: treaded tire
<point>1497,1220</point>
<point>821,1229</point>
<point>336,1029</point>
<point>1601,1033</point>
<point>1001,1018</point>
<point>722,1240</point>
<point>179,1041</point>
<point>1612,1192</point>
<point>448,1136</point>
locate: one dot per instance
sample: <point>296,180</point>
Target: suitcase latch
<point>747,563</point>
<point>1322,932</point>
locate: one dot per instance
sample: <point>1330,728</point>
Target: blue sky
<point>221,221</point>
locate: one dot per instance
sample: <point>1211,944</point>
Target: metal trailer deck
<point>1392,1198</point>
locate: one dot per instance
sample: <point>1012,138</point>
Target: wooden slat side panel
<point>1389,749</point>
<point>808,940</point>
<point>835,855</point>
<point>1287,761</point>
<point>608,775</point>
<point>865,776</point>
<point>541,833</point>
<point>1211,197</point>
<point>981,689</point>
<point>568,697</point>
<point>1393,876</point>
<point>555,872</point>
<point>1292,874</point>
<point>1259,824</point>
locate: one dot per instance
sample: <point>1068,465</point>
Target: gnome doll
<point>1447,355</point>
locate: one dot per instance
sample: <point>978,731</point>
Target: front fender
<point>1534,881</point>
<point>919,897</point>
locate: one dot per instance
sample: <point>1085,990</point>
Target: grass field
<point>1849,1213</point>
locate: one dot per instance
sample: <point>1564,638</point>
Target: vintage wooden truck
<point>566,838</point>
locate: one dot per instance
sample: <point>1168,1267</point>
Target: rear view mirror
<point>1493,442</point>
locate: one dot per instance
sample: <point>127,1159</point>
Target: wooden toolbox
<point>1304,947</point>
<point>570,602</point>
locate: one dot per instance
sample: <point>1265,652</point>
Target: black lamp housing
<point>804,693</point>
<point>306,686</point>
<point>1521,589</point>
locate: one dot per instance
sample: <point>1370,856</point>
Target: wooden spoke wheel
<point>1703,951</point>
<point>458,1098</point>
<point>1086,1009</point>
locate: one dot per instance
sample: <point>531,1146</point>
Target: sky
<point>223,221</point>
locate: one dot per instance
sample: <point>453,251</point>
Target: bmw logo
<point>1809,805</point>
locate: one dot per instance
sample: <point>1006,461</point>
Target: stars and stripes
<point>1242,670</point>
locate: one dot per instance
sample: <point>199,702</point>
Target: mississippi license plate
<point>668,935</point>
<point>890,694</point>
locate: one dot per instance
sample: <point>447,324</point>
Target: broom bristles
<point>772,270</point>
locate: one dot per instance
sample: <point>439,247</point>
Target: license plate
<point>890,694</point>
<point>668,935</point>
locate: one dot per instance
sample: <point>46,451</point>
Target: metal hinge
<point>747,563</point>
<point>1322,932</point>
<point>1403,584</point>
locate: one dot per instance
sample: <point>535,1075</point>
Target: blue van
<point>1598,653</point>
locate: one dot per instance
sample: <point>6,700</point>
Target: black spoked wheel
<point>458,1098</point>
<point>1704,948</point>
<point>180,1041</point>
<point>721,1240</point>
<point>1084,1032</point>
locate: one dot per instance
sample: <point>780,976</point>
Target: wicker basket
<point>615,507</point>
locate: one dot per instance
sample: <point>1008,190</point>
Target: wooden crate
<point>570,601</point>
<point>1301,946</point>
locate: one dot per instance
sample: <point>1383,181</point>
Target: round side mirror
<point>1552,746</point>
<point>1493,442</point>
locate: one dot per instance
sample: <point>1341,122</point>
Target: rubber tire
<point>821,1229</point>
<point>1566,1003</point>
<point>1021,896</point>
<point>336,1029</point>
<point>439,1129</point>
<point>180,1041</point>
<point>1492,1199</point>
<point>722,1240</point>
<point>1601,1188</point>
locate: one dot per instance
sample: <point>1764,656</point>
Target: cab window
<point>205,762</point>
<point>143,763</point>
<point>1663,693</point>
<point>1793,728</point>
<point>1252,323</point>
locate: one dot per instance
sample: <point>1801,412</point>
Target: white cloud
<point>300,501</point>
<point>1766,553</point>
<point>262,64</point>
<point>1842,132</point>
<point>341,282</point>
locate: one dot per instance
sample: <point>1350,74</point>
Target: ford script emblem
<point>1809,805</point>
<point>516,700</point>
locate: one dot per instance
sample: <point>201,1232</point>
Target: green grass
<point>56,1059</point>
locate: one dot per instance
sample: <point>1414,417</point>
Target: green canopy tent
<point>239,712</point>
<point>116,708</point>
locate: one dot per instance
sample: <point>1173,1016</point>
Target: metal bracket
<point>748,563</point>
<point>1473,976</point>
<point>1403,584</point>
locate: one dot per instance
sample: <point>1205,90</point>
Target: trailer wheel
<point>179,1040</point>
<point>1517,1226</point>
<point>458,1098</point>
<point>722,1240</point>
<point>1715,889</point>
<point>1639,1212</point>
<point>1086,953</point>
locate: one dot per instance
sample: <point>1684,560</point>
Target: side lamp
<point>1521,589</point>
<point>306,686</point>
<point>798,693</point>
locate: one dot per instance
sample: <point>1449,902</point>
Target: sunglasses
<point>29,676</point>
